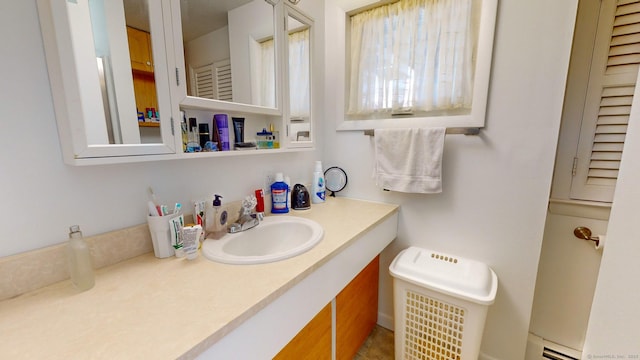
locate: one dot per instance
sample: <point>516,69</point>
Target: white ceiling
<point>199,17</point>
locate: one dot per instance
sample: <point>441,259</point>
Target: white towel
<point>409,160</point>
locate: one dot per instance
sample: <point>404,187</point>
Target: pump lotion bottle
<point>80,267</point>
<point>318,193</point>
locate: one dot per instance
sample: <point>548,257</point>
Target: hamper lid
<point>453,275</point>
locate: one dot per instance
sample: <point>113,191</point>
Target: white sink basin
<point>276,238</point>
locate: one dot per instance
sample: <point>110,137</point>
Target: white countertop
<point>151,308</point>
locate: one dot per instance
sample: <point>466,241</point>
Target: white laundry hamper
<point>440,305</point>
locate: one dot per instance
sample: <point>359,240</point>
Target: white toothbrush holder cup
<point>159,228</point>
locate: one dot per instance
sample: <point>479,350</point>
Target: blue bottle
<point>279,195</point>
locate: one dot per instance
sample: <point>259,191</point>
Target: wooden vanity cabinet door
<point>313,342</point>
<point>140,50</point>
<point>356,316</point>
<point>357,311</point>
<point>144,84</point>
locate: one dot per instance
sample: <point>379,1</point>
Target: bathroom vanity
<point>171,308</point>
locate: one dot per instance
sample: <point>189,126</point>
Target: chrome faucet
<point>247,220</point>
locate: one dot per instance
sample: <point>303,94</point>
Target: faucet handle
<point>248,204</point>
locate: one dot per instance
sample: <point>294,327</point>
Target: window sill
<point>457,121</point>
<point>578,208</point>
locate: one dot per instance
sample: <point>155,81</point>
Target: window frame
<point>475,118</point>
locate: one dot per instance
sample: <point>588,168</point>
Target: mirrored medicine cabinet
<point>121,71</point>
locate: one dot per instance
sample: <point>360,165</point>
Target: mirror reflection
<point>229,50</point>
<point>122,41</point>
<point>299,79</point>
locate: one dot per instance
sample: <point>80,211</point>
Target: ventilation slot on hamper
<point>440,305</point>
<point>434,328</point>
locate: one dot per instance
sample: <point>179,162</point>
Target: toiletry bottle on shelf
<point>183,129</point>
<point>276,136</point>
<point>318,193</point>
<point>222,124</point>
<point>79,257</point>
<point>203,133</point>
<point>279,194</point>
<point>194,137</point>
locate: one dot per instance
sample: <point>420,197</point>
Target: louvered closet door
<point>213,81</point>
<point>223,80</point>
<point>612,81</point>
<point>203,81</point>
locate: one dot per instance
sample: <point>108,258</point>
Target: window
<point>419,63</point>
<point>412,56</point>
<point>299,50</point>
<point>263,78</point>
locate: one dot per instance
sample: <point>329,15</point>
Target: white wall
<point>241,32</point>
<point>208,48</point>
<point>42,196</point>
<point>613,326</point>
<point>496,185</point>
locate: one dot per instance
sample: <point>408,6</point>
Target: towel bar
<point>456,130</point>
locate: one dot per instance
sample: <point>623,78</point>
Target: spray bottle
<point>318,193</point>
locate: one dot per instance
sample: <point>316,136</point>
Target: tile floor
<point>378,346</point>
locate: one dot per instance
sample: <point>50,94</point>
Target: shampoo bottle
<point>222,124</point>
<point>317,196</point>
<point>80,267</point>
<point>279,195</point>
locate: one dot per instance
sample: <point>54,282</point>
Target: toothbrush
<point>154,201</point>
<point>153,211</point>
<point>153,196</point>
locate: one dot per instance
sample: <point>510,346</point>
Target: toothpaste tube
<point>175,228</point>
<point>191,240</point>
<point>199,215</point>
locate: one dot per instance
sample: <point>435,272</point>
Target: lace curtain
<point>412,55</point>
<point>264,89</point>
<point>299,61</point>
<point>299,74</point>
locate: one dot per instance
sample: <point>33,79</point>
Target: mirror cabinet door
<point>299,33</point>
<point>108,76</point>
<point>227,55</point>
